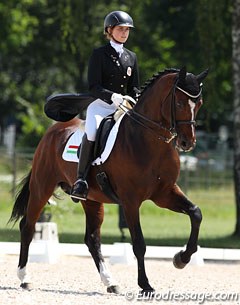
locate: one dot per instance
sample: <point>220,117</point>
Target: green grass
<point>160,227</point>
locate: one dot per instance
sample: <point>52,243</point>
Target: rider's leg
<point>96,111</point>
<point>80,187</point>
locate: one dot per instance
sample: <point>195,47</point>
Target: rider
<point>112,73</point>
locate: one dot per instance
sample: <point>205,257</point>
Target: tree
<point>236,85</point>
<point>29,42</point>
<point>215,47</point>
<point>45,47</point>
<point>17,28</point>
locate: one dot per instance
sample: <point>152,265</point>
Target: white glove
<point>117,99</point>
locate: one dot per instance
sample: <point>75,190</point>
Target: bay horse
<point>144,164</point>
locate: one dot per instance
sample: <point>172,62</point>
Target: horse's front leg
<point>139,246</point>
<point>94,217</point>
<point>176,201</point>
<point>183,257</point>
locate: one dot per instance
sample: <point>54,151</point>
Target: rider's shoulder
<point>101,49</point>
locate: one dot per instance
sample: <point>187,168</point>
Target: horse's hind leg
<point>178,202</point>
<point>38,197</point>
<point>94,217</point>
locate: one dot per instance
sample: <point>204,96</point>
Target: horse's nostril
<point>184,145</point>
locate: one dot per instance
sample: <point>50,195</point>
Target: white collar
<point>117,46</point>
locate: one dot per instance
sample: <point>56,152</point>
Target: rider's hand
<point>117,99</point>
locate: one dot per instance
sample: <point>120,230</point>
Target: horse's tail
<point>21,202</point>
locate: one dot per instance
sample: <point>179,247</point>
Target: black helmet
<point>117,18</point>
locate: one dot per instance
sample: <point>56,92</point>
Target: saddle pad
<point>70,150</point>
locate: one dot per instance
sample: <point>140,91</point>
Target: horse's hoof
<point>113,289</point>
<point>177,261</point>
<point>27,286</point>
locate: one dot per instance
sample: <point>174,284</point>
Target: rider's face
<point>120,33</point>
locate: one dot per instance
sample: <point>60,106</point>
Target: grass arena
<point>74,280</point>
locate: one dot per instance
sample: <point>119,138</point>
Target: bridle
<point>163,133</point>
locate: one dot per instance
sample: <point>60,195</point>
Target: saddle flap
<point>102,134</point>
<point>108,137</point>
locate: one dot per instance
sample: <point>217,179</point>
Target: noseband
<point>164,133</point>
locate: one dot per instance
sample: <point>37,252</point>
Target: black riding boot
<point>80,187</point>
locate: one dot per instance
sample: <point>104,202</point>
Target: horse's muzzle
<point>185,145</point>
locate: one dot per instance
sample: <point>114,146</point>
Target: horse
<point>143,165</point>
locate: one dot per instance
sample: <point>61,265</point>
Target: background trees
<point>45,48</point>
<point>236,82</point>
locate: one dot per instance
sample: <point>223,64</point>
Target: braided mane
<point>156,76</point>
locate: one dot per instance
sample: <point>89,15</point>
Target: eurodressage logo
<point>199,298</point>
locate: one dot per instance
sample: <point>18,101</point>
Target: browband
<point>193,96</point>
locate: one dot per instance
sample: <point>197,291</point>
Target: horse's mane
<point>156,76</point>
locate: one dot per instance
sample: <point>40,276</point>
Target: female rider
<point>112,73</point>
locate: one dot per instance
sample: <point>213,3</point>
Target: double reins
<point>163,133</point>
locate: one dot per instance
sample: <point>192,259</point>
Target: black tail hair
<point>21,202</point>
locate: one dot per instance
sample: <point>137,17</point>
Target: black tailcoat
<point>107,73</point>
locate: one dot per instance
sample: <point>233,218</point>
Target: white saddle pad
<point>70,150</point>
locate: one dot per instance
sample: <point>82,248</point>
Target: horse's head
<point>181,105</point>
<point>168,106</point>
<point>188,100</point>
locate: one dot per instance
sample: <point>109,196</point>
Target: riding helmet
<point>117,18</point>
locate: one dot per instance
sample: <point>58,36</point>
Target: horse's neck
<point>148,106</point>
<point>154,103</point>
<point>151,108</point>
<point>141,146</point>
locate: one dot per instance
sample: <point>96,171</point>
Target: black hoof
<point>113,289</point>
<point>177,261</point>
<point>26,286</point>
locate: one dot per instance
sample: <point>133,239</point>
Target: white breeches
<point>96,111</point>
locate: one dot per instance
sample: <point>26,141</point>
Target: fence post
<point>14,163</point>
<point>10,142</point>
<point>185,174</point>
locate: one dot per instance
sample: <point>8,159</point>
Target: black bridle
<point>162,132</point>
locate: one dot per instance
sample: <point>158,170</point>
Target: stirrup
<point>79,190</point>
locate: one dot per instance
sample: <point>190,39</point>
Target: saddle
<point>102,134</point>
<point>106,126</point>
<point>105,138</point>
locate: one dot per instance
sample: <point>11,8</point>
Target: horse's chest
<point>169,170</point>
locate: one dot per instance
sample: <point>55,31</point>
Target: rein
<point>157,128</point>
<point>152,126</point>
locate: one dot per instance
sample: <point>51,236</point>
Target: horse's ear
<point>200,77</point>
<point>182,75</point>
